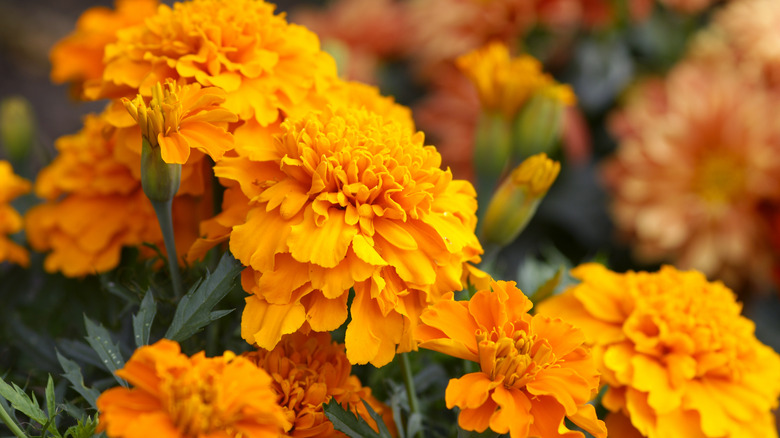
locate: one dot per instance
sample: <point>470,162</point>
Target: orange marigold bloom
<point>95,205</point>
<point>179,118</point>
<point>11,186</point>
<point>690,173</point>
<point>346,198</point>
<point>175,396</point>
<point>263,63</point>
<point>78,58</point>
<point>678,357</point>
<point>307,372</point>
<point>534,373</point>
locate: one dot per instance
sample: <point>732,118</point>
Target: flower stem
<point>11,423</point>
<point>414,404</point>
<point>163,209</point>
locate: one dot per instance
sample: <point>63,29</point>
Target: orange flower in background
<point>11,187</point>
<point>693,165</point>
<point>534,372</point>
<point>264,64</point>
<point>78,58</point>
<point>345,198</point>
<point>95,205</point>
<point>307,372</point>
<point>179,118</point>
<point>176,396</point>
<point>676,354</point>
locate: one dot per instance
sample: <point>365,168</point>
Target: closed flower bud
<point>516,200</point>
<point>17,127</point>
<point>160,180</point>
<point>539,124</point>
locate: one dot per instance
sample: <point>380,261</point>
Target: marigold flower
<point>505,83</point>
<point>675,352</point>
<point>11,186</point>
<point>263,63</point>
<point>345,198</point>
<point>307,372</point>
<point>689,174</point>
<point>534,373</point>
<point>78,58</point>
<point>190,397</point>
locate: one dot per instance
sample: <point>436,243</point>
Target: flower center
<point>719,179</point>
<point>515,360</point>
<point>193,405</point>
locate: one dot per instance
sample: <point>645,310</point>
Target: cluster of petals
<point>693,167</point>
<point>11,187</point>
<point>308,371</point>
<point>534,371</point>
<point>95,205</point>
<point>263,63</point>
<point>678,358</point>
<point>175,396</point>
<point>346,198</point>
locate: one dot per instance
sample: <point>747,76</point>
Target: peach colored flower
<point>675,353</point>
<point>534,371</point>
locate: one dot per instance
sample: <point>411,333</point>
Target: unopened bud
<point>17,127</point>
<point>538,126</point>
<point>515,202</point>
<point>160,180</point>
<point>492,150</point>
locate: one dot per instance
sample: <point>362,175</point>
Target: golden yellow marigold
<point>95,205</point>
<point>179,118</point>
<point>535,371</point>
<point>175,396</point>
<point>78,58</point>
<point>307,372</point>
<point>263,63</point>
<point>11,186</point>
<point>505,83</point>
<point>345,198</point>
<point>678,357</point>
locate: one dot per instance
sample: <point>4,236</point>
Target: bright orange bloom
<point>693,165</point>
<point>175,396</point>
<point>179,118</point>
<point>678,357</point>
<point>534,371</point>
<point>307,372</point>
<point>346,198</point>
<point>78,58</point>
<point>95,205</point>
<point>11,186</point>
<point>264,64</point>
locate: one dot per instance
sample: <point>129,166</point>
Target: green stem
<point>411,393</point>
<point>11,423</point>
<point>163,209</point>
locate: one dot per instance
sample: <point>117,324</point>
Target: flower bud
<point>17,127</point>
<point>517,198</point>
<point>160,180</point>
<point>538,126</point>
<point>492,150</point>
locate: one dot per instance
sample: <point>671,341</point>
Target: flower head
<point>264,64</point>
<point>689,174</point>
<point>505,84</point>
<point>179,118</point>
<point>307,372</point>
<point>11,186</point>
<point>674,351</point>
<point>534,372</point>
<point>78,58</point>
<point>190,397</point>
<point>346,198</point>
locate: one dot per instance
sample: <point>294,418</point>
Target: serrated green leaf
<point>345,421</point>
<point>100,340</point>
<point>84,429</point>
<point>73,374</point>
<point>380,423</point>
<point>142,321</point>
<point>22,402</point>
<point>51,402</point>
<point>195,309</point>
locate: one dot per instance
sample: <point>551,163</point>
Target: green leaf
<point>547,289</point>
<point>142,321</point>
<point>195,309</point>
<point>73,374</point>
<point>51,402</point>
<point>100,340</point>
<point>22,403</point>
<point>383,432</point>
<point>84,429</point>
<point>345,421</point>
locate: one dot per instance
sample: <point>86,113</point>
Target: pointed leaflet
<point>194,310</point>
<point>353,425</point>
<point>142,321</point>
<point>108,351</point>
<point>22,403</point>
<point>73,374</point>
